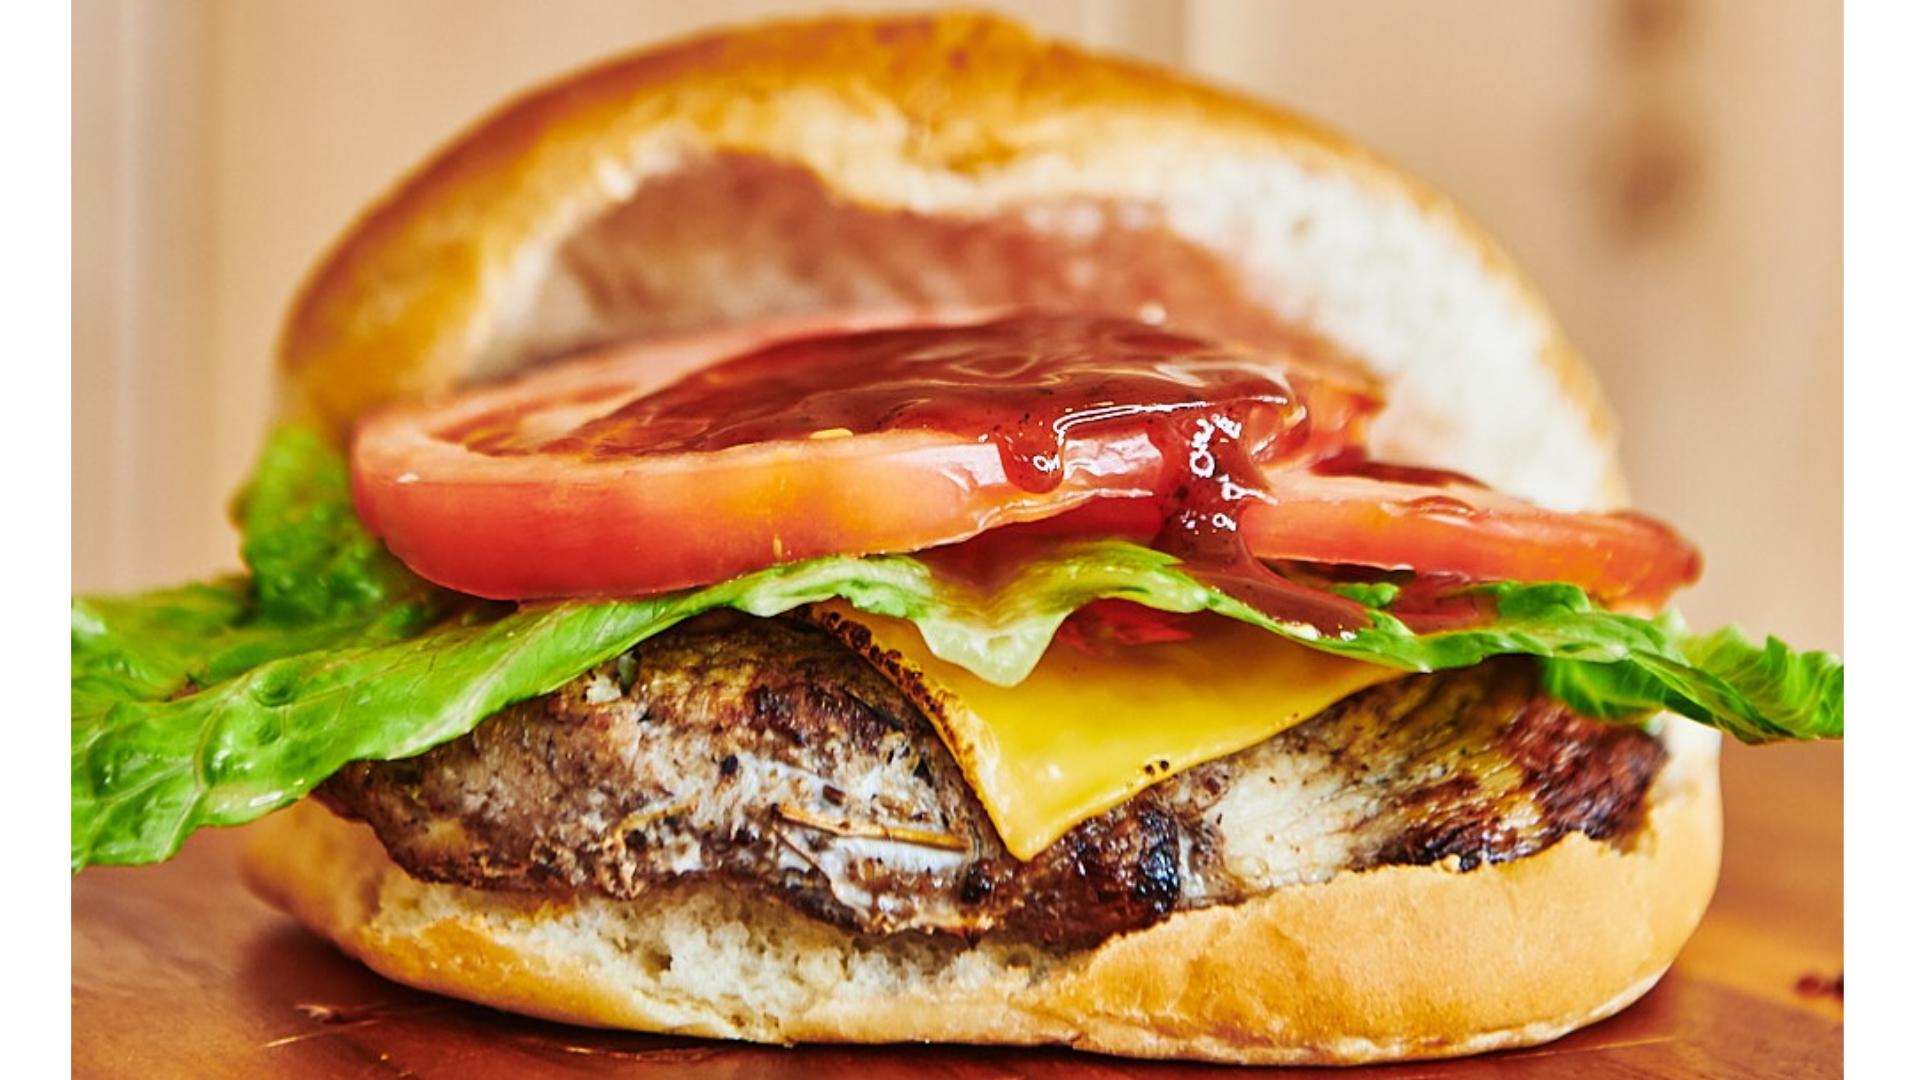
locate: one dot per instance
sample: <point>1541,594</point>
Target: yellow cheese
<point>1084,733</point>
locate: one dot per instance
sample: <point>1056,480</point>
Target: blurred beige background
<point>1669,170</point>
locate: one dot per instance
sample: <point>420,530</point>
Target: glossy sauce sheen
<point>1040,425</point>
<point>1028,384</point>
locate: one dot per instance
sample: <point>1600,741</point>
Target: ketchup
<point>1029,384</point>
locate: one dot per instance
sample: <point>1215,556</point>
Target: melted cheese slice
<point>1084,733</point>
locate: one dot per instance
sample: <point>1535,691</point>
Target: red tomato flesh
<point>1621,558</point>
<point>647,468</point>
<point>655,467</point>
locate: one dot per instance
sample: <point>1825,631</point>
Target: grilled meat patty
<point>765,753</point>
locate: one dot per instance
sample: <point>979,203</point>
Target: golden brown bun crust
<point>940,160</point>
<point>955,161</point>
<point>1391,963</point>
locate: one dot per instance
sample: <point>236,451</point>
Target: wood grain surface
<point>179,972</point>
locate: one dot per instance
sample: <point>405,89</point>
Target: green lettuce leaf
<point>214,704</point>
<point>1757,693</point>
<point>310,559</point>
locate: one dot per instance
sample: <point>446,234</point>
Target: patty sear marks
<point>764,753</point>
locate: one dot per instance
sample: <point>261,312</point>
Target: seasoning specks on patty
<point>764,753</point>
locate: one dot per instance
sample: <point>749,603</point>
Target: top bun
<point>933,162</point>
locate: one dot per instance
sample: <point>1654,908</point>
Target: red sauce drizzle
<point>1201,525</point>
<point>1029,384</point>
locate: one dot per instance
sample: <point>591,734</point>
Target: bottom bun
<point>1390,963</point>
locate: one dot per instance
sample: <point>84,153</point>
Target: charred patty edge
<point>572,793</point>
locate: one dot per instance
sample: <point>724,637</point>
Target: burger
<point>885,530</point>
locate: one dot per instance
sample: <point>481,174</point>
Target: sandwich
<point>899,530</point>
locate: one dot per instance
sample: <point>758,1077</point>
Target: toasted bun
<point>854,165</point>
<point>1400,962</point>
<point>940,161</point>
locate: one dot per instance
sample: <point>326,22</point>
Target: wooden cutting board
<point>179,972</point>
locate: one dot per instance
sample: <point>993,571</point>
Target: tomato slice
<point>1458,530</point>
<point>1622,558</point>
<point>530,526</point>
<point>647,468</point>
<point>653,467</point>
